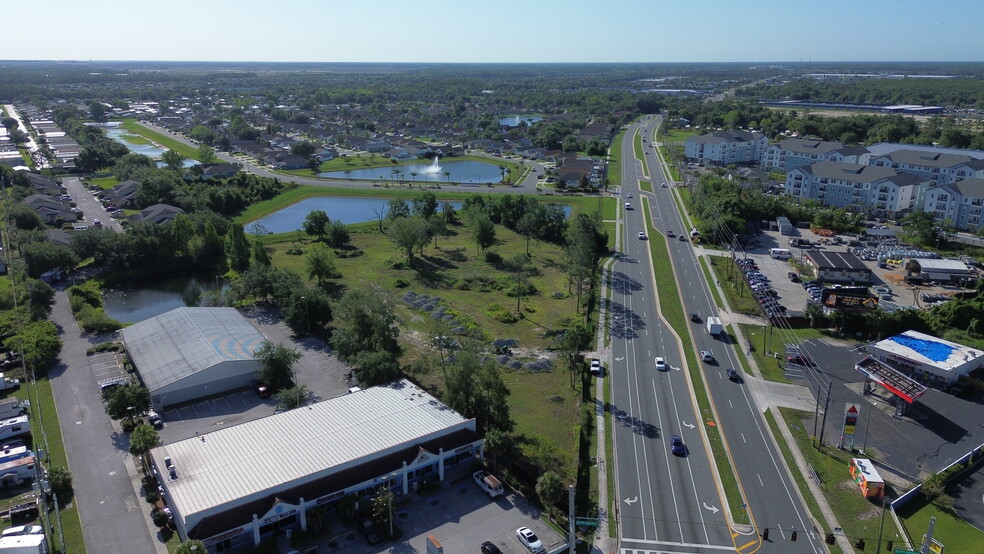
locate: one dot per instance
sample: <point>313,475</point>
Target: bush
<point>60,480</point>
<point>295,251</point>
<point>96,320</point>
<point>400,284</point>
<point>104,347</point>
<point>500,314</point>
<point>86,293</point>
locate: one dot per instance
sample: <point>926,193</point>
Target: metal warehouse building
<point>927,358</point>
<point>190,353</point>
<point>235,486</point>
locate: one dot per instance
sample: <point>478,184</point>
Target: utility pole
<point>867,420</point>
<point>570,518</point>
<point>928,541</point>
<point>816,414</point>
<point>881,526</point>
<point>826,404</point>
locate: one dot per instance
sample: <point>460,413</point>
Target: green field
<point>613,173</point>
<point>735,288</point>
<point>189,152</point>
<point>956,534</point>
<point>857,516</point>
<point>677,135</point>
<point>104,183</point>
<point>637,147</point>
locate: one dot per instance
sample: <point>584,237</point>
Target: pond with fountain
<point>448,171</point>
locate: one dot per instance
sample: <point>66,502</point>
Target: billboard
<point>849,299</point>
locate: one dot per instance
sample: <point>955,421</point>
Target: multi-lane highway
<point>667,502</point>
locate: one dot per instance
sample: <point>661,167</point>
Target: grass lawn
<point>4,284</point>
<point>614,170</point>
<point>189,152</point>
<point>637,147</point>
<point>26,157</point>
<point>672,309</point>
<point>956,534</point>
<point>771,367</point>
<point>736,290</point>
<point>71,525</point>
<point>857,516</point>
<point>136,140</point>
<point>103,182</point>
<point>677,135</point>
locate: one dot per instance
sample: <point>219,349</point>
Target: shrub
<point>96,320</point>
<point>400,284</point>
<point>60,480</point>
<point>86,293</point>
<point>295,251</point>
<point>104,347</point>
<point>500,314</point>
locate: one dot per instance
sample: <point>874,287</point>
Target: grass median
<point>637,147</point>
<point>672,310</point>
<point>188,152</point>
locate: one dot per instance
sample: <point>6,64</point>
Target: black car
<point>490,548</point>
<point>368,529</point>
<point>695,317</point>
<point>676,446</point>
<point>733,375</point>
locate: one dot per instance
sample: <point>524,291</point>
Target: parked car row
<point>762,290</point>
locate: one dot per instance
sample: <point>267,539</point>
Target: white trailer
<point>714,326</point>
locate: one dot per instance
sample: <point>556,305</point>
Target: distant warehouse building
<point>839,267</point>
<point>238,485</point>
<point>189,353</point>
<point>938,270</point>
<point>927,358</point>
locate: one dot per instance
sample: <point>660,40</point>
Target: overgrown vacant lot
<point>470,284</point>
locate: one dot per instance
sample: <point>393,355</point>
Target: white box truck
<point>714,326</point>
<point>24,544</point>
<point>488,482</point>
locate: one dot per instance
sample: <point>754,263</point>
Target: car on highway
<point>642,236</point>
<point>676,446</point>
<point>488,547</point>
<point>660,363</point>
<point>529,539</point>
<point>629,195</point>
<point>628,205</point>
<point>670,233</point>
<point>695,317</point>
<point>682,238</point>
<point>733,375</point>
<point>707,355</point>
<point>663,185</point>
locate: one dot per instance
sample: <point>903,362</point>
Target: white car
<point>595,366</point>
<point>660,363</point>
<point>707,355</point>
<point>642,236</point>
<point>529,539</point>
<point>628,205</point>
<point>629,195</point>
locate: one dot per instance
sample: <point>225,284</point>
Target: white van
<point>780,253</point>
<point>488,482</point>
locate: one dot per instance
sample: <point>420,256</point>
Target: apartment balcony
<point>883,197</point>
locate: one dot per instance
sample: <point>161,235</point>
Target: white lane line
<point>760,479</point>
<point>730,404</point>
<point>743,438</point>
<point>690,468</point>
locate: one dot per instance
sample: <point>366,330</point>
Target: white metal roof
<point>176,344</point>
<point>867,469</point>
<point>941,266</point>
<point>290,447</point>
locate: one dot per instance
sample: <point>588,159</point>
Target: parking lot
<point>107,367</point>
<point>460,516</point>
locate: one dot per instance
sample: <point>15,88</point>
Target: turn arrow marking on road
<point>687,425</point>
<point>632,500</point>
<point>675,368</point>
<point>713,509</point>
<point>619,359</point>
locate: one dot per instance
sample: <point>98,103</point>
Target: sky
<point>497,31</point>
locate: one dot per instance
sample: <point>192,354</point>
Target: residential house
<point>51,209</point>
<point>220,171</point>
<point>960,202</point>
<point>284,160</point>
<point>376,146</point>
<point>797,152</point>
<point>123,195</point>
<point>596,130</point>
<point>857,187</point>
<point>156,214</point>
<point>58,237</point>
<point>725,147</point>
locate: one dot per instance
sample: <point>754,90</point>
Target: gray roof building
<point>242,483</point>
<point>189,353</point>
<point>839,267</point>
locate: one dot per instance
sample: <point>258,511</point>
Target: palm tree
<point>447,175</point>
<point>347,171</point>
<point>502,170</point>
<point>414,175</point>
<point>395,173</point>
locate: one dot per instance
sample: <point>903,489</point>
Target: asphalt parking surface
<point>937,430</point>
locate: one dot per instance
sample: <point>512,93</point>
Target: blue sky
<point>495,31</point>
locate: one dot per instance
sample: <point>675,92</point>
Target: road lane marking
<point>760,479</point>
<point>743,438</point>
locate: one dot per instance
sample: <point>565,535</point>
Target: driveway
<point>114,518</point>
<point>91,208</point>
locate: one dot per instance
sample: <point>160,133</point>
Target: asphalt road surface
<point>769,494</point>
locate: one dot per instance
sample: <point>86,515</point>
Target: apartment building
<point>938,168</point>
<point>797,152</point>
<point>879,190</point>
<point>725,147</point>
<point>960,202</point>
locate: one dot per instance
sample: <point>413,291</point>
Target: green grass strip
<point>672,310</point>
<point>637,147</point>
<point>71,525</point>
<point>189,152</point>
<point>610,457</point>
<point>799,478</point>
<point>710,281</point>
<point>956,534</point>
<point>614,169</point>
